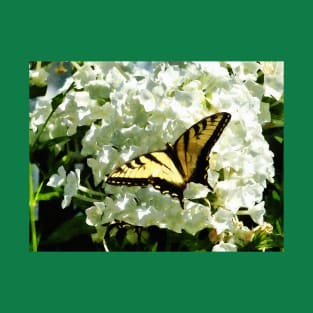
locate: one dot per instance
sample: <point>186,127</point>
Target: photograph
<point>156,156</point>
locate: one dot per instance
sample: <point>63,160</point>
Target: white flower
<point>98,89</point>
<point>40,113</point>
<point>214,68</point>
<point>38,77</point>
<point>171,77</point>
<point>71,184</point>
<point>273,78</point>
<point>212,177</point>
<point>95,213</point>
<point>238,193</point>
<point>225,247</point>
<point>257,213</point>
<point>244,71</point>
<point>196,191</point>
<point>103,163</point>
<point>71,187</point>
<point>222,220</point>
<point>57,180</point>
<point>196,216</point>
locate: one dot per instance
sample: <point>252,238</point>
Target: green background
<point>145,282</point>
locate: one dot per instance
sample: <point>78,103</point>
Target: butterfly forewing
<point>193,147</point>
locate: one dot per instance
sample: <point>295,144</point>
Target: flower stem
<point>87,190</point>
<point>32,205</point>
<point>85,198</point>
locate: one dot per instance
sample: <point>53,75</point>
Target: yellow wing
<point>156,168</point>
<point>193,147</point>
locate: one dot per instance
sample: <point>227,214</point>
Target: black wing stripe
<point>155,159</point>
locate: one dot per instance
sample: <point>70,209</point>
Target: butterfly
<point>170,170</point>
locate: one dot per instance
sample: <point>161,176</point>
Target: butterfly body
<point>171,169</point>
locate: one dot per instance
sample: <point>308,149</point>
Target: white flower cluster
<point>136,108</point>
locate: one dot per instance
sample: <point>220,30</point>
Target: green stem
<point>32,205</point>
<point>42,128</point>
<point>87,199</point>
<point>92,192</point>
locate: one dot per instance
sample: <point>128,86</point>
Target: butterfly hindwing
<point>155,168</point>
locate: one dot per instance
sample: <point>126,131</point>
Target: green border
<point>143,282</point>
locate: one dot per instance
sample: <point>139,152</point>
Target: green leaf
<point>48,196</point>
<point>275,195</point>
<point>58,99</point>
<point>53,142</point>
<point>68,230</point>
<point>279,139</point>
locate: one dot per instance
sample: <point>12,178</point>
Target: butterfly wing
<point>192,148</point>
<point>155,168</point>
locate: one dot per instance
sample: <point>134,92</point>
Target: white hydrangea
<point>243,153</point>
<point>133,109</point>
